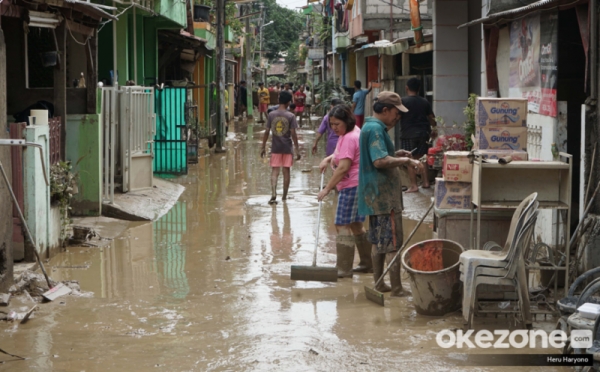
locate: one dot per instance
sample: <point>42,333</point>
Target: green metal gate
<point>170,148</point>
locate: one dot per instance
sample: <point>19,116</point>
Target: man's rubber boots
<point>378,267</point>
<point>344,245</point>
<point>364,252</point>
<point>395,278</point>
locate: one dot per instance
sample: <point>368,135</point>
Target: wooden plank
<point>491,53</point>
<point>6,228</point>
<point>60,86</point>
<point>493,163</point>
<point>92,73</point>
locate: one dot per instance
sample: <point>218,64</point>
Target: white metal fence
<point>138,125</point>
<point>129,125</point>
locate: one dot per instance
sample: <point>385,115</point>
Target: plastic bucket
<point>437,292</point>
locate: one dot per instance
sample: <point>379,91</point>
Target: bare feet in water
<point>412,189</point>
<point>273,200</point>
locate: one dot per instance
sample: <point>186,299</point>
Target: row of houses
<point>545,51</point>
<point>130,91</point>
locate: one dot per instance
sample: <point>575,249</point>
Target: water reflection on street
<point>207,287</point>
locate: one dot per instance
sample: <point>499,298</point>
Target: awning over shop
<point>93,10</point>
<point>427,47</point>
<point>510,15</point>
<point>384,47</point>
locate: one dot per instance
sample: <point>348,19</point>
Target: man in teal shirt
<point>380,187</point>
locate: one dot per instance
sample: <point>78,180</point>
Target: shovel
<point>373,294</point>
<point>315,273</point>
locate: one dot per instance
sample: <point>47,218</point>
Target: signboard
<point>316,53</point>
<point>533,62</point>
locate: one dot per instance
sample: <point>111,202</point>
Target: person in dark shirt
<point>415,129</point>
<point>243,98</point>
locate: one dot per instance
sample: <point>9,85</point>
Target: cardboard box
<point>501,138</point>
<point>517,155</point>
<point>457,167</point>
<point>501,112</point>
<point>452,195</point>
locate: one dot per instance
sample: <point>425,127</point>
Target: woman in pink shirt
<point>348,223</point>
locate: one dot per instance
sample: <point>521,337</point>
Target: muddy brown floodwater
<point>207,288</point>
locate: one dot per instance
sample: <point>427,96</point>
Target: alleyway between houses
<point>207,288</point>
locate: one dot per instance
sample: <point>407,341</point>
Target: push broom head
<point>374,296</point>
<point>314,273</point>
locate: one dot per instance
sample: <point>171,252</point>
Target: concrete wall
<point>376,15</point>
<point>55,222</point>
<point>37,193</point>
<point>6,225</point>
<point>476,50</point>
<point>84,151</point>
<point>173,10</point>
<point>356,18</point>
<point>450,60</point>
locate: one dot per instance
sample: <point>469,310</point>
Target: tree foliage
<point>292,61</point>
<point>283,33</point>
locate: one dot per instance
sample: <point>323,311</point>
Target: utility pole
<point>220,75</point>
<point>325,50</point>
<point>262,23</point>
<point>248,61</point>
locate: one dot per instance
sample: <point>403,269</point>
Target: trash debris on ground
<point>32,282</point>
<point>32,287</point>
<point>56,292</point>
<point>4,299</point>
<point>28,314</point>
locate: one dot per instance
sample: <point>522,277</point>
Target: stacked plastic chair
<point>504,267</point>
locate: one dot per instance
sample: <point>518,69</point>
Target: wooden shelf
<point>525,165</point>
<point>488,204</point>
<point>501,187</point>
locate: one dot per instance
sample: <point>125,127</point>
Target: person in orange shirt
<point>263,101</point>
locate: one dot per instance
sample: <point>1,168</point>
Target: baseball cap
<point>391,98</point>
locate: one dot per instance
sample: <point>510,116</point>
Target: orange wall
<point>199,94</point>
<point>372,70</point>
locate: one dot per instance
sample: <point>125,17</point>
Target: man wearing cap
<point>380,187</point>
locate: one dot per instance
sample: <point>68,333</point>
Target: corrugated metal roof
<point>384,47</point>
<point>509,15</point>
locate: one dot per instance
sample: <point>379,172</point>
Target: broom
<point>373,294</point>
<point>315,273</point>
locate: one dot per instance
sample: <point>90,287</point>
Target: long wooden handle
<point>318,223</point>
<point>404,245</point>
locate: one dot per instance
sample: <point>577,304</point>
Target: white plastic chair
<point>470,260</point>
<point>513,275</point>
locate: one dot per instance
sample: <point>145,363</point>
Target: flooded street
<point>207,288</point>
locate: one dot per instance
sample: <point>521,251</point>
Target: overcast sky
<point>292,4</point>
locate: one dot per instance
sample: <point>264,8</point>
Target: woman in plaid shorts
<point>345,164</point>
